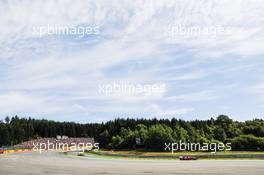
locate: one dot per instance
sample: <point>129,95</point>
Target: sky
<point>205,55</point>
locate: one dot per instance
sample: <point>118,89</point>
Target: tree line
<point>140,133</point>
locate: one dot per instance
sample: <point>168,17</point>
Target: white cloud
<point>195,96</point>
<point>65,72</point>
<point>12,103</point>
<point>256,89</point>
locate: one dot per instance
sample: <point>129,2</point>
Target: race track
<point>52,163</point>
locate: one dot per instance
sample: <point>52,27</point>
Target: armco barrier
<point>18,150</point>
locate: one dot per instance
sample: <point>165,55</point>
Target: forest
<point>152,133</point>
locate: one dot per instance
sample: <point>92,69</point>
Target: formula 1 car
<point>188,158</point>
<point>1,151</point>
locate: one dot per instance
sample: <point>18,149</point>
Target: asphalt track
<point>53,163</point>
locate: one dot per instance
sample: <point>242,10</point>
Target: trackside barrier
<point>64,149</point>
<point>18,150</point>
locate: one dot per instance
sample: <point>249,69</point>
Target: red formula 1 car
<point>1,151</point>
<point>188,158</point>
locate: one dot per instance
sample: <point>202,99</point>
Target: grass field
<point>110,152</point>
<point>247,155</point>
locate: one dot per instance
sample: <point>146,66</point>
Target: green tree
<point>158,135</point>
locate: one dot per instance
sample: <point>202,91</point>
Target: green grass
<point>158,155</point>
<point>116,156</point>
<point>143,153</point>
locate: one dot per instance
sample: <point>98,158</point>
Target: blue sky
<point>206,74</point>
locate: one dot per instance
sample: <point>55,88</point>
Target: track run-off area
<point>54,163</point>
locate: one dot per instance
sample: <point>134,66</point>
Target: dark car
<point>188,157</point>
